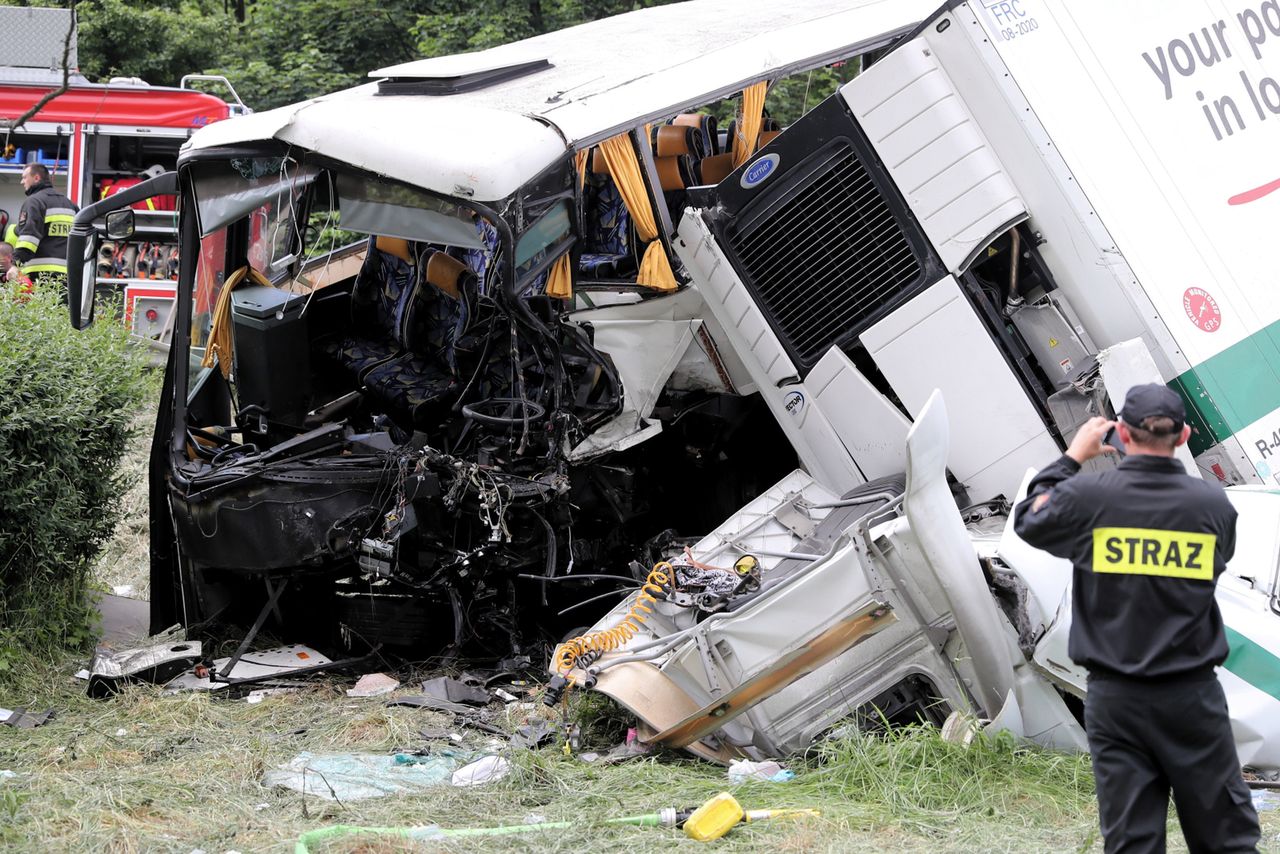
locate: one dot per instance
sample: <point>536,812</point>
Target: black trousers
<point>1147,738</point>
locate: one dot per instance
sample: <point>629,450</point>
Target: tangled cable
<point>592,646</point>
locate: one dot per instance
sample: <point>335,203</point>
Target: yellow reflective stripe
<point>1150,551</point>
<point>67,218</point>
<point>29,245</point>
<point>44,265</point>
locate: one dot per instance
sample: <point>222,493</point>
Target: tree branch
<point>66,76</point>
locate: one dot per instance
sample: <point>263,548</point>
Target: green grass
<point>185,774</point>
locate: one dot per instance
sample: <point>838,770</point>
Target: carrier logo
<point>757,173</point>
<point>794,403</point>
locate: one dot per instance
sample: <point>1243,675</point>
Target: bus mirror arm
<point>83,241</point>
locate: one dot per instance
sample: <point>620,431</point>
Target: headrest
<point>446,272</point>
<point>598,164</point>
<point>673,141</point>
<point>396,246</point>
<point>692,120</point>
<point>717,167</point>
<point>669,174</point>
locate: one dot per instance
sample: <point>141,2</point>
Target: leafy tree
<point>792,97</point>
<point>159,40</point>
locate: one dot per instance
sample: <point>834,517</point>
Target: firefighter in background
<point>42,230</point>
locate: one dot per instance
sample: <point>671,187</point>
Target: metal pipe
<point>854,502</point>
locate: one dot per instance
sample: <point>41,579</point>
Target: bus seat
<point>705,124</point>
<point>444,271</point>
<point>425,375</point>
<point>717,167</point>
<point>674,155</point>
<point>478,259</point>
<point>606,225</point>
<point>768,136</point>
<point>396,246</point>
<point>379,298</point>
<point>767,125</point>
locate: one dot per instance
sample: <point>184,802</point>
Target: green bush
<point>66,402</point>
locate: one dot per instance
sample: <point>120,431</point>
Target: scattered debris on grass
<point>348,777</point>
<point>155,664</point>
<point>741,770</point>
<point>486,769</point>
<point>455,691</point>
<point>23,719</point>
<point>373,685</point>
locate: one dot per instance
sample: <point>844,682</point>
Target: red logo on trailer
<point>1202,309</point>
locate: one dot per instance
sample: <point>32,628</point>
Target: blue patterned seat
<point>380,299</point>
<point>415,383</point>
<point>477,260</point>
<point>606,230</point>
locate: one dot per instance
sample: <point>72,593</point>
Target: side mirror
<point>82,272</point>
<point>120,224</point>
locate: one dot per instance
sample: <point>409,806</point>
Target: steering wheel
<point>503,411</point>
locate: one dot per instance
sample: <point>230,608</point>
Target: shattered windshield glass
<point>226,190</point>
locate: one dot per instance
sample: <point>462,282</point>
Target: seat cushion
<point>358,355</point>
<point>408,382</point>
<point>601,264</point>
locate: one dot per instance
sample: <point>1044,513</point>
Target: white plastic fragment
<point>486,769</point>
<point>741,770</point>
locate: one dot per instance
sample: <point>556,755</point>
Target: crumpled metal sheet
<point>156,664</point>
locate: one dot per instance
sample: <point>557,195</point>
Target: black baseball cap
<point>1153,400</point>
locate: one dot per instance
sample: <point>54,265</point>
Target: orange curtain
<point>748,130</point>
<point>580,164</point>
<point>560,279</point>
<point>624,166</point>
<point>220,341</point>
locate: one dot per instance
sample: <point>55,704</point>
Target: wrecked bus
<point>474,349</point>
<point>383,423</point>
<point>1024,208</point>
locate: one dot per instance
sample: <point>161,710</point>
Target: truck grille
<point>827,256</point>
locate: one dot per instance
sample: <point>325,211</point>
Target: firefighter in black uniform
<point>1147,543</point>
<point>43,226</point>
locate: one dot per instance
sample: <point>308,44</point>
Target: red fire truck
<point>95,139</point>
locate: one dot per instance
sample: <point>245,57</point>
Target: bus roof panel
<point>606,76</point>
<point>473,153</point>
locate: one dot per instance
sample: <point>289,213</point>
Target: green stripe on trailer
<point>1255,665</point>
<point>1229,391</point>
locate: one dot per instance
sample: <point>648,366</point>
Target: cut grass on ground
<point>147,772</point>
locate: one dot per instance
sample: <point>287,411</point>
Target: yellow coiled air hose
<point>592,646</point>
